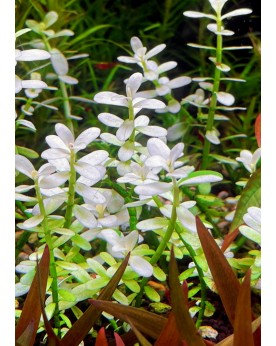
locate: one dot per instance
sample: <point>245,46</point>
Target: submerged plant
<point>111,209</point>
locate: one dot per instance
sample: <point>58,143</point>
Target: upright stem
<point>213,103</point>
<point>200,275</point>
<point>71,191</point>
<point>49,242</point>
<point>65,98</point>
<point>159,251</point>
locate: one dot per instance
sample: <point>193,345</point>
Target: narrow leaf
<point>147,322</point>
<point>143,341</point>
<point>170,334</point>
<point>82,326</point>
<point>250,197</point>
<point>184,322</point>
<point>229,340</point>
<point>101,338</point>
<point>242,326</point>
<point>31,311</point>
<point>258,129</point>
<point>226,282</point>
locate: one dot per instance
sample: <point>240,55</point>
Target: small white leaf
<point>153,189</point>
<point>59,62</point>
<point>110,119</point>
<point>68,79</point>
<point>84,216</point>
<point>238,12</point>
<point>225,98</point>
<point>32,222</point>
<point>194,14</point>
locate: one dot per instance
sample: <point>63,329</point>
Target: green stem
<point>200,275</point>
<point>49,242</point>
<point>66,105</point>
<point>71,191</point>
<point>213,103</point>
<point>159,251</point>
<point>65,98</point>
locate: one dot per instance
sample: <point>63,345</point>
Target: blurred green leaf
<point>250,197</point>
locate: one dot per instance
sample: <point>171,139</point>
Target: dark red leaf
<point>226,281</point>
<point>28,322</point>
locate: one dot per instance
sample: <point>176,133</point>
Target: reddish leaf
<point>226,282</point>
<point>147,322</point>
<point>143,341</point>
<point>101,338</point>
<point>258,129</point>
<point>242,326</point>
<point>228,239</point>
<point>81,327</point>
<point>184,322</point>
<point>229,340</point>
<point>118,339</point>
<point>28,323</point>
<point>170,334</point>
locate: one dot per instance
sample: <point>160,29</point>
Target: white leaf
<point>65,134</point>
<point>133,84</point>
<point>52,154</point>
<point>125,130</point>
<point>110,119</point>
<point>126,151</point>
<point>86,137</point>
<point>26,123</point>
<point>238,12</point>
<point>24,166</point>
<point>141,266</point>
<point>111,98</point>
<point>151,224</point>
<point>225,98</point>
<point>88,171</point>
<point>90,193</point>
<point>85,217</point>
<point>32,222</point>
<point>50,18</point>
<point>153,189</point>
<point>59,62</point>
<point>153,131</point>
<point>53,180</point>
<point>68,79</point>
<point>179,82</point>
<point>95,158</point>
<point>194,14</point>
<point>155,50</point>
<point>157,147</point>
<point>186,218</point>
<point>33,84</point>
<point>149,104</point>
<point>32,55</point>
<point>110,138</point>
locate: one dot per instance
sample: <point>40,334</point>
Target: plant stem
<point>49,242</point>
<point>71,191</point>
<point>213,103</point>
<point>66,106</point>
<point>200,275</point>
<point>159,251</point>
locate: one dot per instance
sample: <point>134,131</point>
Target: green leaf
<point>108,258</point>
<point>82,326</point>
<point>226,282</point>
<point>186,274</point>
<point>250,197</point>
<point>66,295</point>
<point>89,32</point>
<point>201,177</point>
<point>152,294</point>
<point>29,153</point>
<point>81,242</point>
<point>159,274</point>
<point>120,297</point>
<point>132,285</point>
<point>224,159</point>
<point>96,267</point>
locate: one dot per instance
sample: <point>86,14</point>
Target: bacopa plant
<point>108,209</point>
